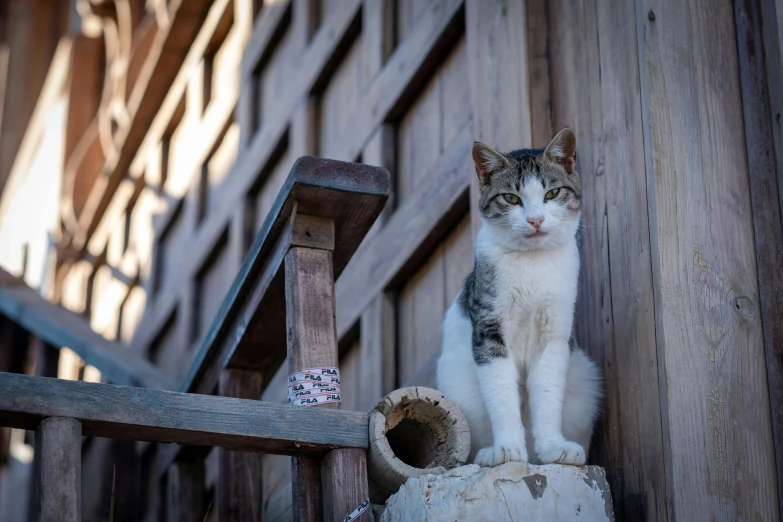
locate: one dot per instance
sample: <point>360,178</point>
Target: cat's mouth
<point>537,233</point>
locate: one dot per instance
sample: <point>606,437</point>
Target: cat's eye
<point>552,194</point>
<point>511,198</point>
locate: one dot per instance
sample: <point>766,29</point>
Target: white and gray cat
<point>509,358</point>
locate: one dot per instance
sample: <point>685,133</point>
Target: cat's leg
<point>498,378</point>
<point>584,392</point>
<point>546,385</point>
<point>457,378</point>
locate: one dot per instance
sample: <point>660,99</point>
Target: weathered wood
<point>185,491</point>
<point>392,90</point>
<point>595,77</point>
<point>60,327</point>
<point>107,410</point>
<point>767,218</point>
<point>58,462</point>
<point>414,431</point>
<point>538,43</point>
<point>496,35</point>
<point>350,194</point>
<point>239,481</point>
<point>344,482</point>
<point>708,329</point>
<point>377,366</point>
<point>312,343</point>
<point>409,236</point>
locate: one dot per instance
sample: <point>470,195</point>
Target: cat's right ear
<point>488,161</point>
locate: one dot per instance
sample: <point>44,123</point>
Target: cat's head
<point>530,199</point>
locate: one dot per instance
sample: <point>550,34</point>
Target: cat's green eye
<point>511,198</point>
<point>552,194</point>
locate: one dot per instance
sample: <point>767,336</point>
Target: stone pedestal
<point>513,491</point>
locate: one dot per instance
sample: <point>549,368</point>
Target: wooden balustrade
<point>282,296</point>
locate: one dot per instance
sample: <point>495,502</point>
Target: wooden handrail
<point>249,329</point>
<point>106,410</point>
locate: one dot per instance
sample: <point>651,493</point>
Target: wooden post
<point>239,482</point>
<point>58,466</point>
<point>312,342</point>
<point>185,495</point>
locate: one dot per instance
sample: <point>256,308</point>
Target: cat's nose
<point>536,221</point>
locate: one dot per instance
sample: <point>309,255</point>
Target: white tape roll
<point>314,386</point>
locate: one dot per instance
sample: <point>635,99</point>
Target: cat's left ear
<point>562,149</point>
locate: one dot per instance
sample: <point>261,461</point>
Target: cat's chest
<point>523,285</point>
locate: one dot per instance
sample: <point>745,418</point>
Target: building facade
<point>164,130</point>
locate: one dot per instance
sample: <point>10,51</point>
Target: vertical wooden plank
<point>772,33</point>
<point>377,371</point>
<point>496,36</point>
<point>594,84</point>
<point>344,475</point>
<point>538,62</point>
<point>717,426</point>
<point>312,342</point>
<point>239,482</point>
<point>379,323</point>
<point>378,38</point>
<point>185,491</point>
<point>58,465</point>
<point>767,219</point>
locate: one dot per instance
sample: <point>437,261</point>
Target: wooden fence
<point>282,296</point>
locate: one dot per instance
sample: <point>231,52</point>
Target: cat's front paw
<point>500,454</point>
<point>561,452</point>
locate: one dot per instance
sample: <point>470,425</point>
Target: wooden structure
<point>203,106</point>
<point>286,284</point>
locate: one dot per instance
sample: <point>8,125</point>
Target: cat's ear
<point>562,149</point>
<point>488,161</point>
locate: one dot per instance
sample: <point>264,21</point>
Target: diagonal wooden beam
<point>62,328</point>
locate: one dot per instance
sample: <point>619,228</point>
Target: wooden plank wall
<point>670,301</point>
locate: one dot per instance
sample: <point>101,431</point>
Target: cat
<point>508,348</point>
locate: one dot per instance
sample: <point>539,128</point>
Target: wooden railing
<point>282,296</point>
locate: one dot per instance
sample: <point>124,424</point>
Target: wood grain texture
<point>767,218</point>
<point>538,44</point>
<point>107,410</point>
<point>239,481</point>
<point>377,364</point>
<point>350,194</point>
<point>772,34</point>
<point>393,89</point>
<point>410,235</point>
<point>595,78</point>
<point>705,278</point>
<point>185,491</point>
<point>496,39</point>
<point>60,327</point>
<point>312,343</point>
<point>343,483</point>
<point>58,463</point>
<point>310,309</point>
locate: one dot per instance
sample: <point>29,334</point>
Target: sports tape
<point>314,386</point>
<point>356,513</point>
